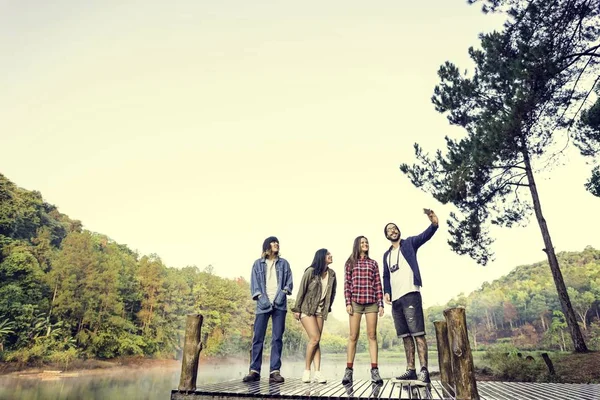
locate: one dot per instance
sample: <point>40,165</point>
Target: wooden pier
<point>293,388</point>
<point>457,377</point>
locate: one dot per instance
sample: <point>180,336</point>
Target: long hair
<point>268,253</point>
<point>356,252</point>
<point>318,263</point>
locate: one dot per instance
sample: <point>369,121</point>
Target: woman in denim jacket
<point>313,304</point>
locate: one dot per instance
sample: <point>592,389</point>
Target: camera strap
<point>397,260</point>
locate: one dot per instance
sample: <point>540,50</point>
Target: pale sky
<point>195,129</point>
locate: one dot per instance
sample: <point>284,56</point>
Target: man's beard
<point>388,237</point>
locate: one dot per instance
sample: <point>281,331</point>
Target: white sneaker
<point>306,376</point>
<point>319,378</point>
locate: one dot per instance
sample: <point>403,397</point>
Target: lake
<point>156,383</point>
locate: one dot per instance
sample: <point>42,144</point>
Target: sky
<point>196,129</point>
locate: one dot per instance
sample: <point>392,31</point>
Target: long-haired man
<point>270,284</point>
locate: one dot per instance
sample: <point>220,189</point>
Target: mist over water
<point>156,383</point>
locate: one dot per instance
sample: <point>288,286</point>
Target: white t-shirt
<point>324,283</point>
<point>271,280</point>
<point>402,280</point>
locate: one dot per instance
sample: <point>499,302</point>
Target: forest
<point>68,293</point>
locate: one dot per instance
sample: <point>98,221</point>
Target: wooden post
<point>462,359</point>
<point>191,353</point>
<point>444,355</point>
<point>549,364</point>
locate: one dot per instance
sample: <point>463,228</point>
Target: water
<point>156,383</point>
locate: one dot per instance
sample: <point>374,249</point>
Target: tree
<point>589,141</point>
<point>520,101</point>
<point>582,303</point>
<point>509,312</point>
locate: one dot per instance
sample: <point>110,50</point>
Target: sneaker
<point>319,378</point>
<point>253,376</point>
<point>347,376</point>
<point>424,376</point>
<point>276,377</point>
<point>409,375</point>
<point>306,376</point>
<point>375,377</point>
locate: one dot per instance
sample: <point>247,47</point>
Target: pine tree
<point>520,102</point>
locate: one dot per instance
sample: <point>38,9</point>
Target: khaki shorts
<point>365,308</point>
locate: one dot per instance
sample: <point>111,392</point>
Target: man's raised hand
<point>431,215</point>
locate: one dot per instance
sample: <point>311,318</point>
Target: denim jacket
<point>258,285</point>
<point>408,247</point>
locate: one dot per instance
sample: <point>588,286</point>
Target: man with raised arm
<point>401,286</point>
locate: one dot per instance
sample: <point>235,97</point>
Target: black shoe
<point>252,377</point>
<point>424,376</point>
<point>347,376</point>
<point>408,376</point>
<point>276,377</point>
<point>375,377</point>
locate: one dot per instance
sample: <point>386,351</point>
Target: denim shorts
<point>407,312</point>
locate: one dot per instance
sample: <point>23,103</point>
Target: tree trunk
<point>50,310</point>
<point>462,359</point>
<point>191,353</point>
<point>543,322</point>
<point>563,296</point>
<point>444,355</point>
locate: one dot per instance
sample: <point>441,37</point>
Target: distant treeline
<point>67,293</point>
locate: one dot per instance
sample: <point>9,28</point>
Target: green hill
<point>522,307</point>
<point>66,292</point>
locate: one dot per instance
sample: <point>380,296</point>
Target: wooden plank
<point>376,390</point>
<point>352,389</point>
<point>323,390</point>
<point>387,392</point>
<point>494,391</point>
<point>439,390</point>
<point>367,390</point>
<point>331,388</point>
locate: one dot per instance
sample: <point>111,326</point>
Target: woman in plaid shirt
<point>363,293</point>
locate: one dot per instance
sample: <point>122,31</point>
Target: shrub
<point>63,357</point>
<point>507,363</point>
<point>333,343</point>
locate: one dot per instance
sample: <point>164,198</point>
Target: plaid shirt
<point>362,285</point>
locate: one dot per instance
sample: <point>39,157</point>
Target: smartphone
<point>427,211</point>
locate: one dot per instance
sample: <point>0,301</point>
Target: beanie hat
<point>267,242</point>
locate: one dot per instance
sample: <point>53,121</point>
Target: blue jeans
<point>260,328</point>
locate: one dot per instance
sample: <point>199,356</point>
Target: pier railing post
<point>444,356</point>
<point>191,353</point>
<point>462,358</point>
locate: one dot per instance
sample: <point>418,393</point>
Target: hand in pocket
<point>279,298</point>
<point>263,302</point>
